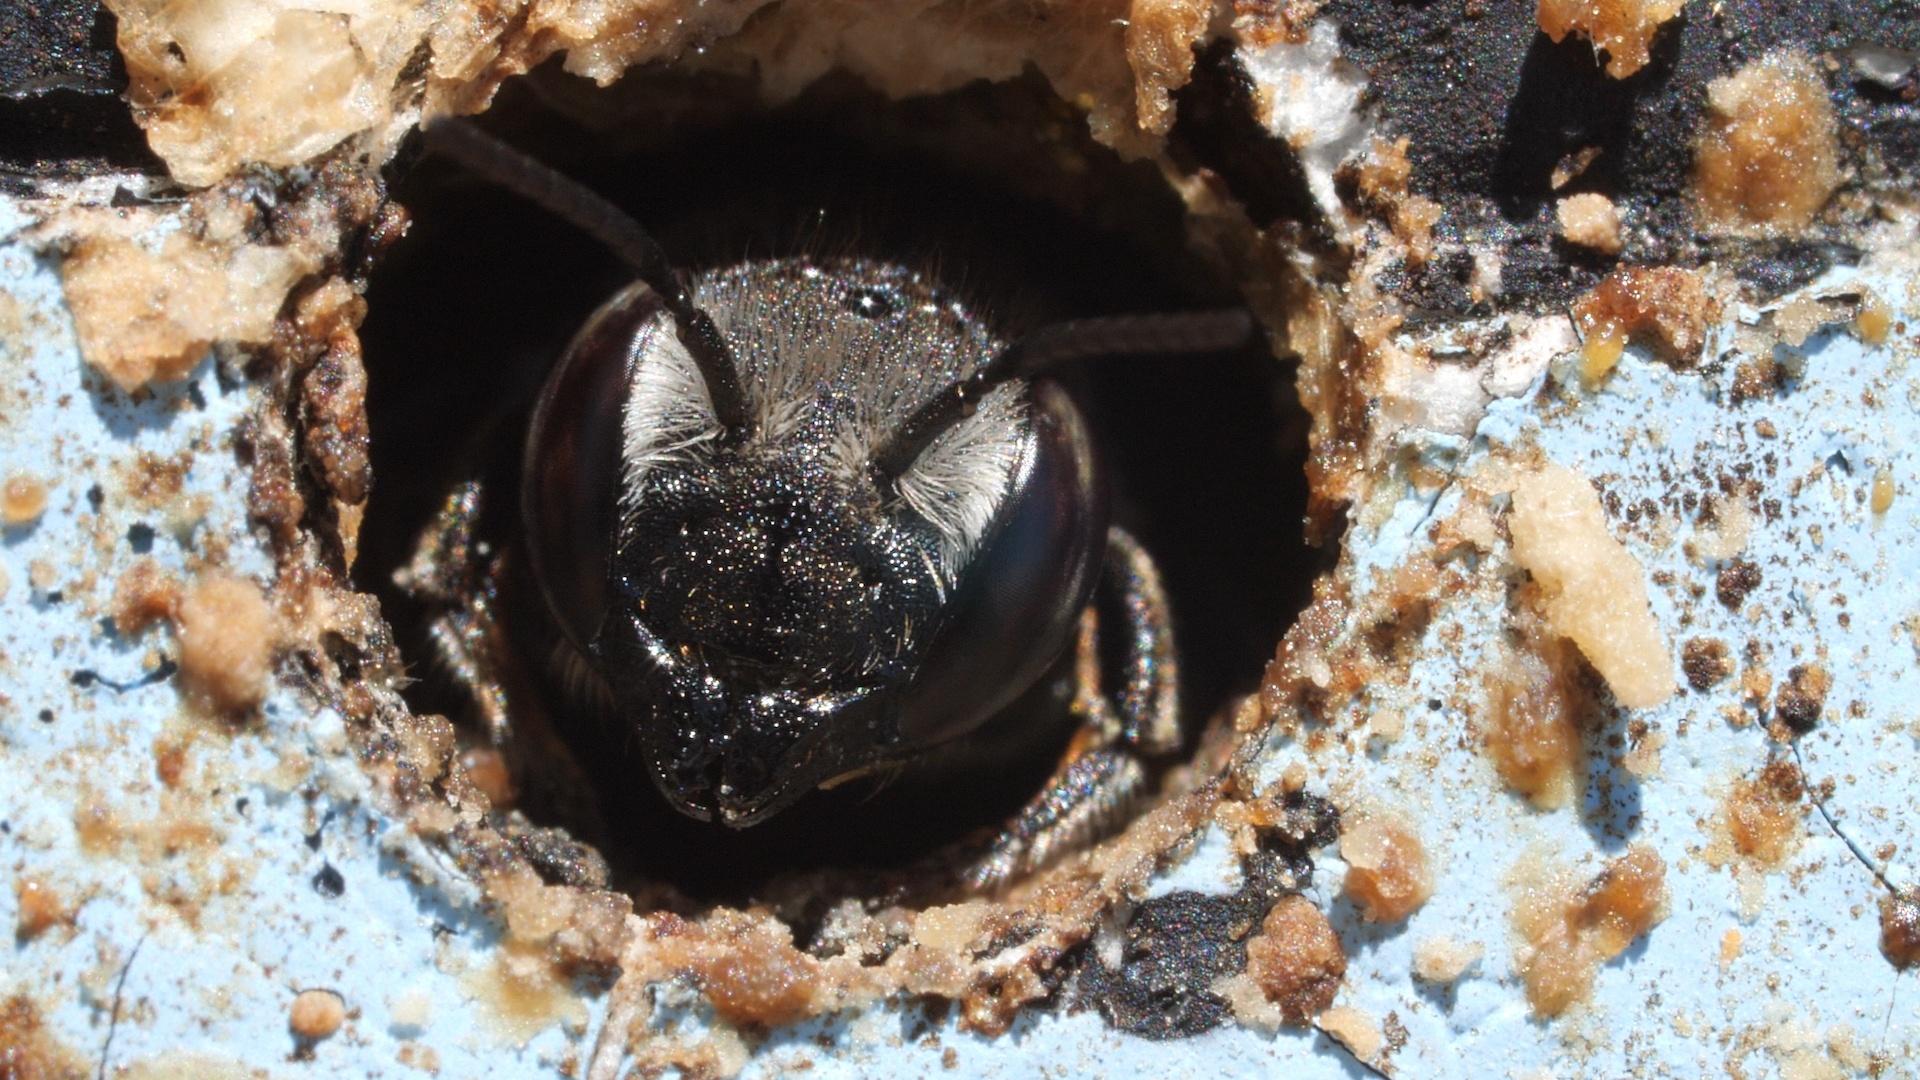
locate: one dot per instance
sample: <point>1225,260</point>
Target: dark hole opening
<point>997,189</point>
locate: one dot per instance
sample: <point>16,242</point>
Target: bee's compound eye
<point>1018,599</point>
<point>570,475</point>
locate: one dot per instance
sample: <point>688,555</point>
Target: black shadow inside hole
<point>468,312</point>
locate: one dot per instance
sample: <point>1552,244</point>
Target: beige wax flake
<point>1594,591</point>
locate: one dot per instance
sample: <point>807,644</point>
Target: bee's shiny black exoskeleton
<point>793,521</point>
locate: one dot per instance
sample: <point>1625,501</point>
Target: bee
<point>790,522</point>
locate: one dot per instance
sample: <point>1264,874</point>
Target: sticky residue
<point>523,993</point>
<point>1767,160</point>
<point>1387,873</point>
<point>1624,28</point>
<point>1593,592</point>
<point>1297,960</point>
<point>1566,929</point>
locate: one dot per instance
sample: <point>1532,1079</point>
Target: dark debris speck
<point>328,882</point>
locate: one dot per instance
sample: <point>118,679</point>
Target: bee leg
<point>452,577</point>
<point>1102,772</point>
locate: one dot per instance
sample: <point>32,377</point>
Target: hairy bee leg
<point>1148,698</point>
<point>451,575</point>
<point>1102,771</point>
<point>1086,797</point>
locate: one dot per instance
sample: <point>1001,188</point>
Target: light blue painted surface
<point>215,976</point>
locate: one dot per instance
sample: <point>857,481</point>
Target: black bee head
<point>770,608</point>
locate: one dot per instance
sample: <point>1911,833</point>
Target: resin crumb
<point>1625,29</point>
<point>144,595</point>
<point>23,498</point>
<point>1297,960</point>
<point>1666,305</point>
<point>1358,1031</point>
<point>1442,960</point>
<point>1567,930</point>
<point>1590,221</point>
<point>1387,873</point>
<point>1594,592</point>
<point>1767,160</point>
<point>227,633</point>
<point>1873,321</point>
<point>1535,699</point>
<point>316,1014</point>
<point>1762,814</point>
<point>1882,497</point>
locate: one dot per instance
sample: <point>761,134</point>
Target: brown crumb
<point>1296,959</point>
<point>316,1014</point>
<point>227,635</point>
<point>1802,697</point>
<point>747,966</point>
<point>1387,873</point>
<point>23,498</point>
<point>1707,662</point>
<point>169,760</point>
<point>1568,931</point>
<point>144,595</point>
<point>1767,160</point>
<point>1736,579</point>
<point>1754,379</point>
<point>1900,930</point>
<point>1668,305</point>
<point>1590,221</point>
<point>1624,28</point>
<point>40,909</point>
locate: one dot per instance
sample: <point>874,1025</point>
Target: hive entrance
<point>998,189</point>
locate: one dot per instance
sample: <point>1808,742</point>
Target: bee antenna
<point>1167,334</point>
<point>586,210</point>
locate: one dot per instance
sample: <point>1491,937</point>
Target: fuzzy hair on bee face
<point>833,357</point>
